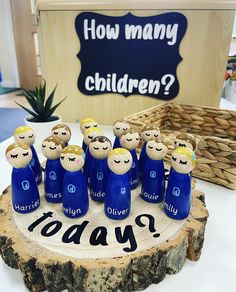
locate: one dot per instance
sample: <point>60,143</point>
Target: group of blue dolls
<point>109,172</point>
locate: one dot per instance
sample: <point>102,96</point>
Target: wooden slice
<point>95,253</point>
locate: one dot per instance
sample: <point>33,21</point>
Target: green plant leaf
<point>40,103</point>
<point>30,100</point>
<point>30,93</point>
<point>52,110</point>
<point>49,101</point>
<point>36,91</point>
<point>44,90</point>
<point>28,110</point>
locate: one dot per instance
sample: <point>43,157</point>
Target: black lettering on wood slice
<point>56,253</point>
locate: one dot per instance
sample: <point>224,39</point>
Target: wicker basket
<point>214,129</point>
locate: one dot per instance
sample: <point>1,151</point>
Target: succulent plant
<point>42,109</point>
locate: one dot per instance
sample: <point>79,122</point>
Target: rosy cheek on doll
<point>77,161</point>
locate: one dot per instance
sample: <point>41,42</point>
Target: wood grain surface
<point>46,264</point>
<point>204,50</point>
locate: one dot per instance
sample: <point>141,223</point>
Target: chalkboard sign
<point>130,54</point>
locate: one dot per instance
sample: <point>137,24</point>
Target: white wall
<point>232,51</point>
<point>8,62</point>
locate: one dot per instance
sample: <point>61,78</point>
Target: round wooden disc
<point>106,229</point>
<point>95,253</point>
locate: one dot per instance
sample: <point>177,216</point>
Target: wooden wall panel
<point>204,50</point>
<point>24,42</point>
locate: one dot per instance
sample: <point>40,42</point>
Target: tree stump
<point>95,253</point>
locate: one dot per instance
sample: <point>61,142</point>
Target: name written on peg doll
<point>25,194</point>
<point>54,172</point>
<point>26,135</point>
<point>62,131</point>
<point>178,194</point>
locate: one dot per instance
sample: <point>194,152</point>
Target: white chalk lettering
<point>154,86</point>
<point>133,31</point>
<point>171,33</point>
<point>125,84</point>
<point>149,31</point>
<point>152,32</point>
<point>89,80</point>
<point>93,31</point>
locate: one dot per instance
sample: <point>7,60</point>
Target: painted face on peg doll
<point>18,155</point>
<point>52,147</point>
<point>62,131</point>
<point>72,158</point>
<point>100,147</point>
<point>119,127</point>
<point>185,140</point>
<point>150,132</point>
<point>24,135</point>
<point>130,139</point>
<point>120,160</point>
<point>183,160</point>
<point>156,149</point>
<point>90,134</point>
<point>87,123</point>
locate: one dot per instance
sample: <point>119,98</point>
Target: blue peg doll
<point>118,128</point>
<point>54,172</point>
<point>178,194</point>
<point>85,124</point>
<point>62,131</point>
<point>117,203</point>
<point>25,194</point>
<point>26,135</point>
<point>153,180</point>
<point>99,148</point>
<point>75,193</point>
<point>88,137</point>
<point>149,132</point>
<point>130,140</point>
<point>184,140</point>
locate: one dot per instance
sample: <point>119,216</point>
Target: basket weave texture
<point>214,130</point>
